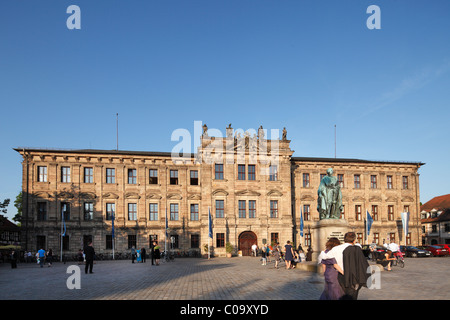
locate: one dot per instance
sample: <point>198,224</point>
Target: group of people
<point>140,255</point>
<point>345,268</point>
<point>41,256</point>
<point>289,254</point>
<point>385,258</point>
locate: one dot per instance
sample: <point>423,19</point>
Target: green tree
<point>4,206</point>
<point>18,204</point>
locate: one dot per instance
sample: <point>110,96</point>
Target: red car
<point>446,246</point>
<point>438,250</point>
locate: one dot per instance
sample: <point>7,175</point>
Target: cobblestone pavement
<point>237,278</point>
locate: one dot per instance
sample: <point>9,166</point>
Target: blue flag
<point>301,222</point>
<point>369,222</point>
<point>210,224</point>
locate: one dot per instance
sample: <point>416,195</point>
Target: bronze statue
<point>329,203</point>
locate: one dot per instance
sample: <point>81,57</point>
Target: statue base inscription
<point>325,229</point>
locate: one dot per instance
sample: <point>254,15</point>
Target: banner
<point>369,222</point>
<point>405,222</point>
<point>210,224</point>
<point>301,222</point>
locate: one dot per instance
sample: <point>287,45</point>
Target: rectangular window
<point>194,212</point>
<point>174,177</point>
<point>358,212</point>
<point>131,241</point>
<point>306,212</point>
<point>274,238</point>
<point>195,241</point>
<point>88,175</point>
<point>375,212</point>
<point>242,209</point>
<point>391,213</point>
<point>306,180</point>
<point>42,211</point>
<point>307,239</point>
<point>65,210</point>
<point>153,208</point>
<point>389,182</point>
<point>42,174</point>
<point>132,176</point>
<point>220,208</point>
<point>322,175</point>
<point>109,241</point>
<point>405,182</point>
<point>132,211</point>
<point>220,240</point>
<point>218,175</point>
<point>252,208</point>
<point>88,211</point>
<point>153,176</point>
<point>341,180</point>
<point>373,182</point>
<point>194,178</point>
<point>274,208</point>
<point>174,211</point>
<point>110,211</point>
<point>110,175</point>
<point>357,181</point>
<point>174,241</point>
<point>273,173</point>
<point>65,174</point>
<point>251,172</point>
<point>241,171</point>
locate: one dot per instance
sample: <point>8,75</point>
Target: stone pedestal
<point>322,230</point>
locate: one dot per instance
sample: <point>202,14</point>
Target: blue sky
<point>303,65</point>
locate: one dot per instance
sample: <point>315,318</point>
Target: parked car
<point>437,250</point>
<point>446,246</point>
<point>414,252</point>
<point>367,253</point>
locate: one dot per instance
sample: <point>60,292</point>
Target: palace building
<point>253,187</point>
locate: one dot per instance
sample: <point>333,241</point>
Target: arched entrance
<point>246,240</point>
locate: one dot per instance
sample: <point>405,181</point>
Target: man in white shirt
<point>353,279</point>
<point>393,246</point>
<point>254,247</point>
<point>336,253</point>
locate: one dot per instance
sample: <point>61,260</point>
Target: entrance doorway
<point>246,240</point>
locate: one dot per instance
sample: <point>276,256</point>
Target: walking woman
<point>289,255</point>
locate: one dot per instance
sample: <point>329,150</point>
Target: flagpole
<point>62,221</point>
<point>209,233</point>
<point>113,235</point>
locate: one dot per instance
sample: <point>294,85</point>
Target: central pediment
<point>247,193</point>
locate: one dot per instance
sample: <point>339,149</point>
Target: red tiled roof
<point>438,203</point>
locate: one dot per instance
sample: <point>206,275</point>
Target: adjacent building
<point>435,219</point>
<point>253,187</point>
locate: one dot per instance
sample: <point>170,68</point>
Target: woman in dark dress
<point>332,290</point>
<point>157,254</point>
<point>289,255</point>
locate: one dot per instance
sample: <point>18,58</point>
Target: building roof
<point>193,155</point>
<point>315,159</point>
<point>438,203</point>
<point>6,225</point>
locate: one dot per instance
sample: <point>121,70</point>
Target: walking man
<point>89,254</point>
